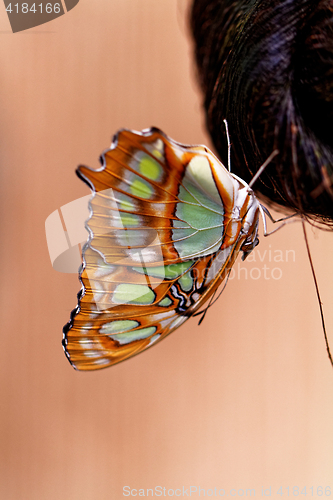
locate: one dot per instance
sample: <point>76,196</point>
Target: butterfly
<point>167,222</point>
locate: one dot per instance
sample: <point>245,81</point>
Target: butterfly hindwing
<point>166,225</point>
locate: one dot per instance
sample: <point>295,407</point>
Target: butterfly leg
<point>284,220</point>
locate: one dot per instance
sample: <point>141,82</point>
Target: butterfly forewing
<point>167,222</point>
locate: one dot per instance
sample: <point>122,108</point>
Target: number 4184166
<point>296,491</point>
<point>24,8</point>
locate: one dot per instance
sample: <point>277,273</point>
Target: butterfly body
<point>167,222</point>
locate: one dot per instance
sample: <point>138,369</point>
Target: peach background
<point>243,401</point>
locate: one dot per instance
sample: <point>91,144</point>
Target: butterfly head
<point>248,246</point>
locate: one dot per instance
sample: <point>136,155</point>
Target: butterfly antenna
<point>263,166</point>
<point>318,294</point>
<point>229,144</point>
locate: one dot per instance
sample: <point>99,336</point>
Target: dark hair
<point>267,67</point>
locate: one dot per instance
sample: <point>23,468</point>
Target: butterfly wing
<point>165,227</point>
